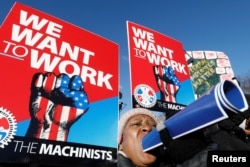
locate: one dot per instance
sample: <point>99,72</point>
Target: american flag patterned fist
<point>56,102</point>
<point>169,75</point>
<point>167,82</point>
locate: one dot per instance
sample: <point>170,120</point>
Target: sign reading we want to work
<point>56,80</point>
<point>160,78</point>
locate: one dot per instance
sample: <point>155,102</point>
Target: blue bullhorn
<point>212,107</point>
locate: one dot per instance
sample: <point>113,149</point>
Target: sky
<point>198,24</point>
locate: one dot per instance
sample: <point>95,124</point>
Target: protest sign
<point>159,73</point>
<point>59,94</point>
<point>207,68</point>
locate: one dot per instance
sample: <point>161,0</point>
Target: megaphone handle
<point>164,136</point>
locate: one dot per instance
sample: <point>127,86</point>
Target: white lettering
<point>216,158</point>
<point>52,29</point>
<point>26,33</point>
<point>151,47</point>
<point>143,34</point>
<point>42,42</point>
<point>49,63</point>
<point>175,107</point>
<point>37,61</point>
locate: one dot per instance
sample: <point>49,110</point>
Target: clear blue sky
<point>199,24</point>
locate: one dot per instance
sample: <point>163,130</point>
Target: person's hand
<point>247,123</point>
<point>247,132</point>
<point>56,102</point>
<point>167,82</point>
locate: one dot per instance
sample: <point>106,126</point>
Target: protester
<point>133,126</point>
<point>189,151</point>
<point>137,123</point>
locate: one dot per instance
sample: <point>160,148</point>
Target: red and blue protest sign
<point>159,71</point>
<point>59,93</point>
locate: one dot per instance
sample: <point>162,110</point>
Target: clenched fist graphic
<point>56,103</point>
<point>167,82</point>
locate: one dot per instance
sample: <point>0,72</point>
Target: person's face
<point>135,129</point>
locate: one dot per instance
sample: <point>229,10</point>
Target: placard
<point>208,68</point>
<point>59,93</point>
<point>159,73</point>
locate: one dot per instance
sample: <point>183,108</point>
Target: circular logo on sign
<point>7,127</point>
<point>145,95</point>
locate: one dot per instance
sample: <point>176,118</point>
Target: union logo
<point>145,95</point>
<point>7,127</point>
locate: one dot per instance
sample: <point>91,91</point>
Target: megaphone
<point>214,106</point>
